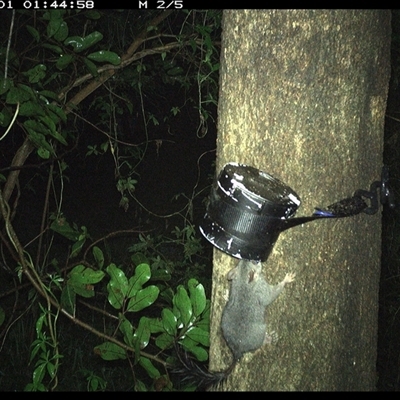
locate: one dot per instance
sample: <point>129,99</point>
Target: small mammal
<point>243,318</point>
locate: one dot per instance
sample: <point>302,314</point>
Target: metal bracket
<point>386,196</point>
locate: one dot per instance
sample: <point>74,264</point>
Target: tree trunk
<point>303,97</point>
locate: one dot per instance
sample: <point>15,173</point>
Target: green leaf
<point>5,85</point>
<point>153,372</point>
<point>6,117</point>
<point>61,226</point>
<point>199,336</point>
<point>143,298</point>
<point>64,60</point>
<point>91,67</point>
<point>140,386</point>
<point>53,14</point>
<point>38,374</point>
<point>169,321</point>
<point>40,141</point>
<point>52,130</point>
<point>142,334</point>
<point>142,275</point>
<point>56,113</point>
<point>28,90</point>
<point>77,247</point>
<point>36,74</point>
<point>35,126</point>
<point>161,275</point>
<point>127,330</point>
<point>36,346</point>
<point>52,47</point>
<point>68,299</point>
<point>175,71</point>
<point>53,26</point>
<point>17,95</point>
<point>33,32</point>
<point>62,32</point>
<point>110,351</point>
<point>86,291</point>
<point>75,41</point>
<point>175,111</point>
<point>31,109</point>
<point>30,387</point>
<point>98,256</point>
<point>215,67</point>
<point>82,43</point>
<point>47,121</point>
<point>39,324</point>
<point>164,341</point>
<point>81,280</point>
<point>204,322</point>
<point>182,302</point>
<point>85,275</point>
<point>167,294</point>
<point>155,325</point>
<point>51,369</point>
<point>105,56</point>
<point>43,153</point>
<point>200,353</point>
<point>45,94</point>
<point>193,44</point>
<point>197,296</point>
<point>139,258</point>
<point>92,14</point>
<point>192,347</point>
<point>117,287</point>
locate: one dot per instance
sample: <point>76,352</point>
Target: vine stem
<point>27,146</point>
<point>30,272</point>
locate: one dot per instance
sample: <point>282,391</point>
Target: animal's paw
<point>226,295</point>
<point>271,338</point>
<point>289,277</point>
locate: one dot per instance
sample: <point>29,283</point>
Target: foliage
<point>51,62</point>
<point>184,319</point>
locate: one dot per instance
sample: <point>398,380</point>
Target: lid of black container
<point>245,211</point>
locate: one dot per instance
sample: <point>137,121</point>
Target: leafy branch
<point>44,82</point>
<point>27,146</point>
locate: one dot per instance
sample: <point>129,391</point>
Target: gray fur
<point>243,318</point>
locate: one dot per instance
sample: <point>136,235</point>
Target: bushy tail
<point>192,373</point>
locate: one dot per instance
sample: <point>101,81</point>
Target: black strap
<point>379,190</point>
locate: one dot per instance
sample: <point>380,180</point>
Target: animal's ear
<point>232,273</point>
<point>252,274</point>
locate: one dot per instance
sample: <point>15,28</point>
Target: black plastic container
<point>247,211</point>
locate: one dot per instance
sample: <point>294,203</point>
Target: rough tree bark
<point>303,97</point>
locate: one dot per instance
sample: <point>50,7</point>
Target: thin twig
<point>9,45</point>
<point>34,278</point>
